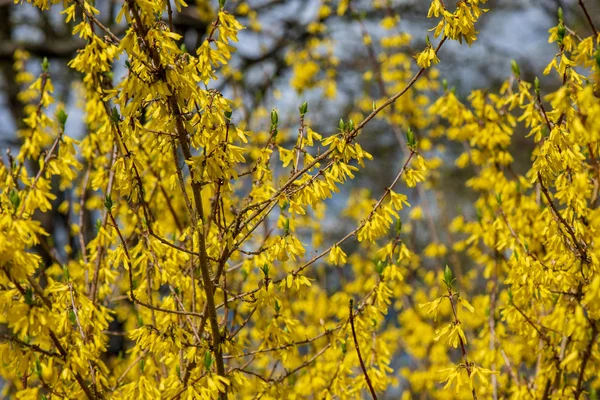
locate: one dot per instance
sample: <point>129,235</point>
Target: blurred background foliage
<point>272,54</point>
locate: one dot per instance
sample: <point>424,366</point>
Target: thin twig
<point>587,15</point>
<point>362,364</point>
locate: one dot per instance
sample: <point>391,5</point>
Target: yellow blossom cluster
<point>201,241</point>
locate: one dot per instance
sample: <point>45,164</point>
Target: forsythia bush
<point>209,251</point>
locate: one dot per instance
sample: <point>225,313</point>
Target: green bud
<point>427,41</point>
<point>66,273</point>
<point>350,125</point>
<point>536,85</point>
<point>142,365</point>
<point>303,109</point>
<point>208,360</point>
<point>227,115</point>
<point>45,64</point>
<point>38,368</point>
<point>561,32</point>
<point>265,270</point>
<point>510,296</point>
<point>515,68</point>
<point>499,199</point>
<point>380,266</point>
<point>62,118</point>
<point>222,3</point>
<point>72,317</point>
<point>277,307</point>
<point>448,277</point>
<point>374,106</point>
<point>445,85</point>
<point>410,138</point>
<point>341,124</point>
<point>14,198</point>
<point>182,48</point>
<point>115,117</point>
<point>108,202</point>
<point>274,117</point>
<point>286,226</point>
<point>560,14</point>
<point>398,227</point>
<point>98,225</point>
<point>344,348</point>
<point>29,296</point>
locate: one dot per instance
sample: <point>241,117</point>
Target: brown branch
<point>34,347</point>
<point>587,15</point>
<point>362,364</point>
<point>586,358</point>
<point>580,248</point>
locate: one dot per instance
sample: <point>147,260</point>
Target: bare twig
<point>362,364</point>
